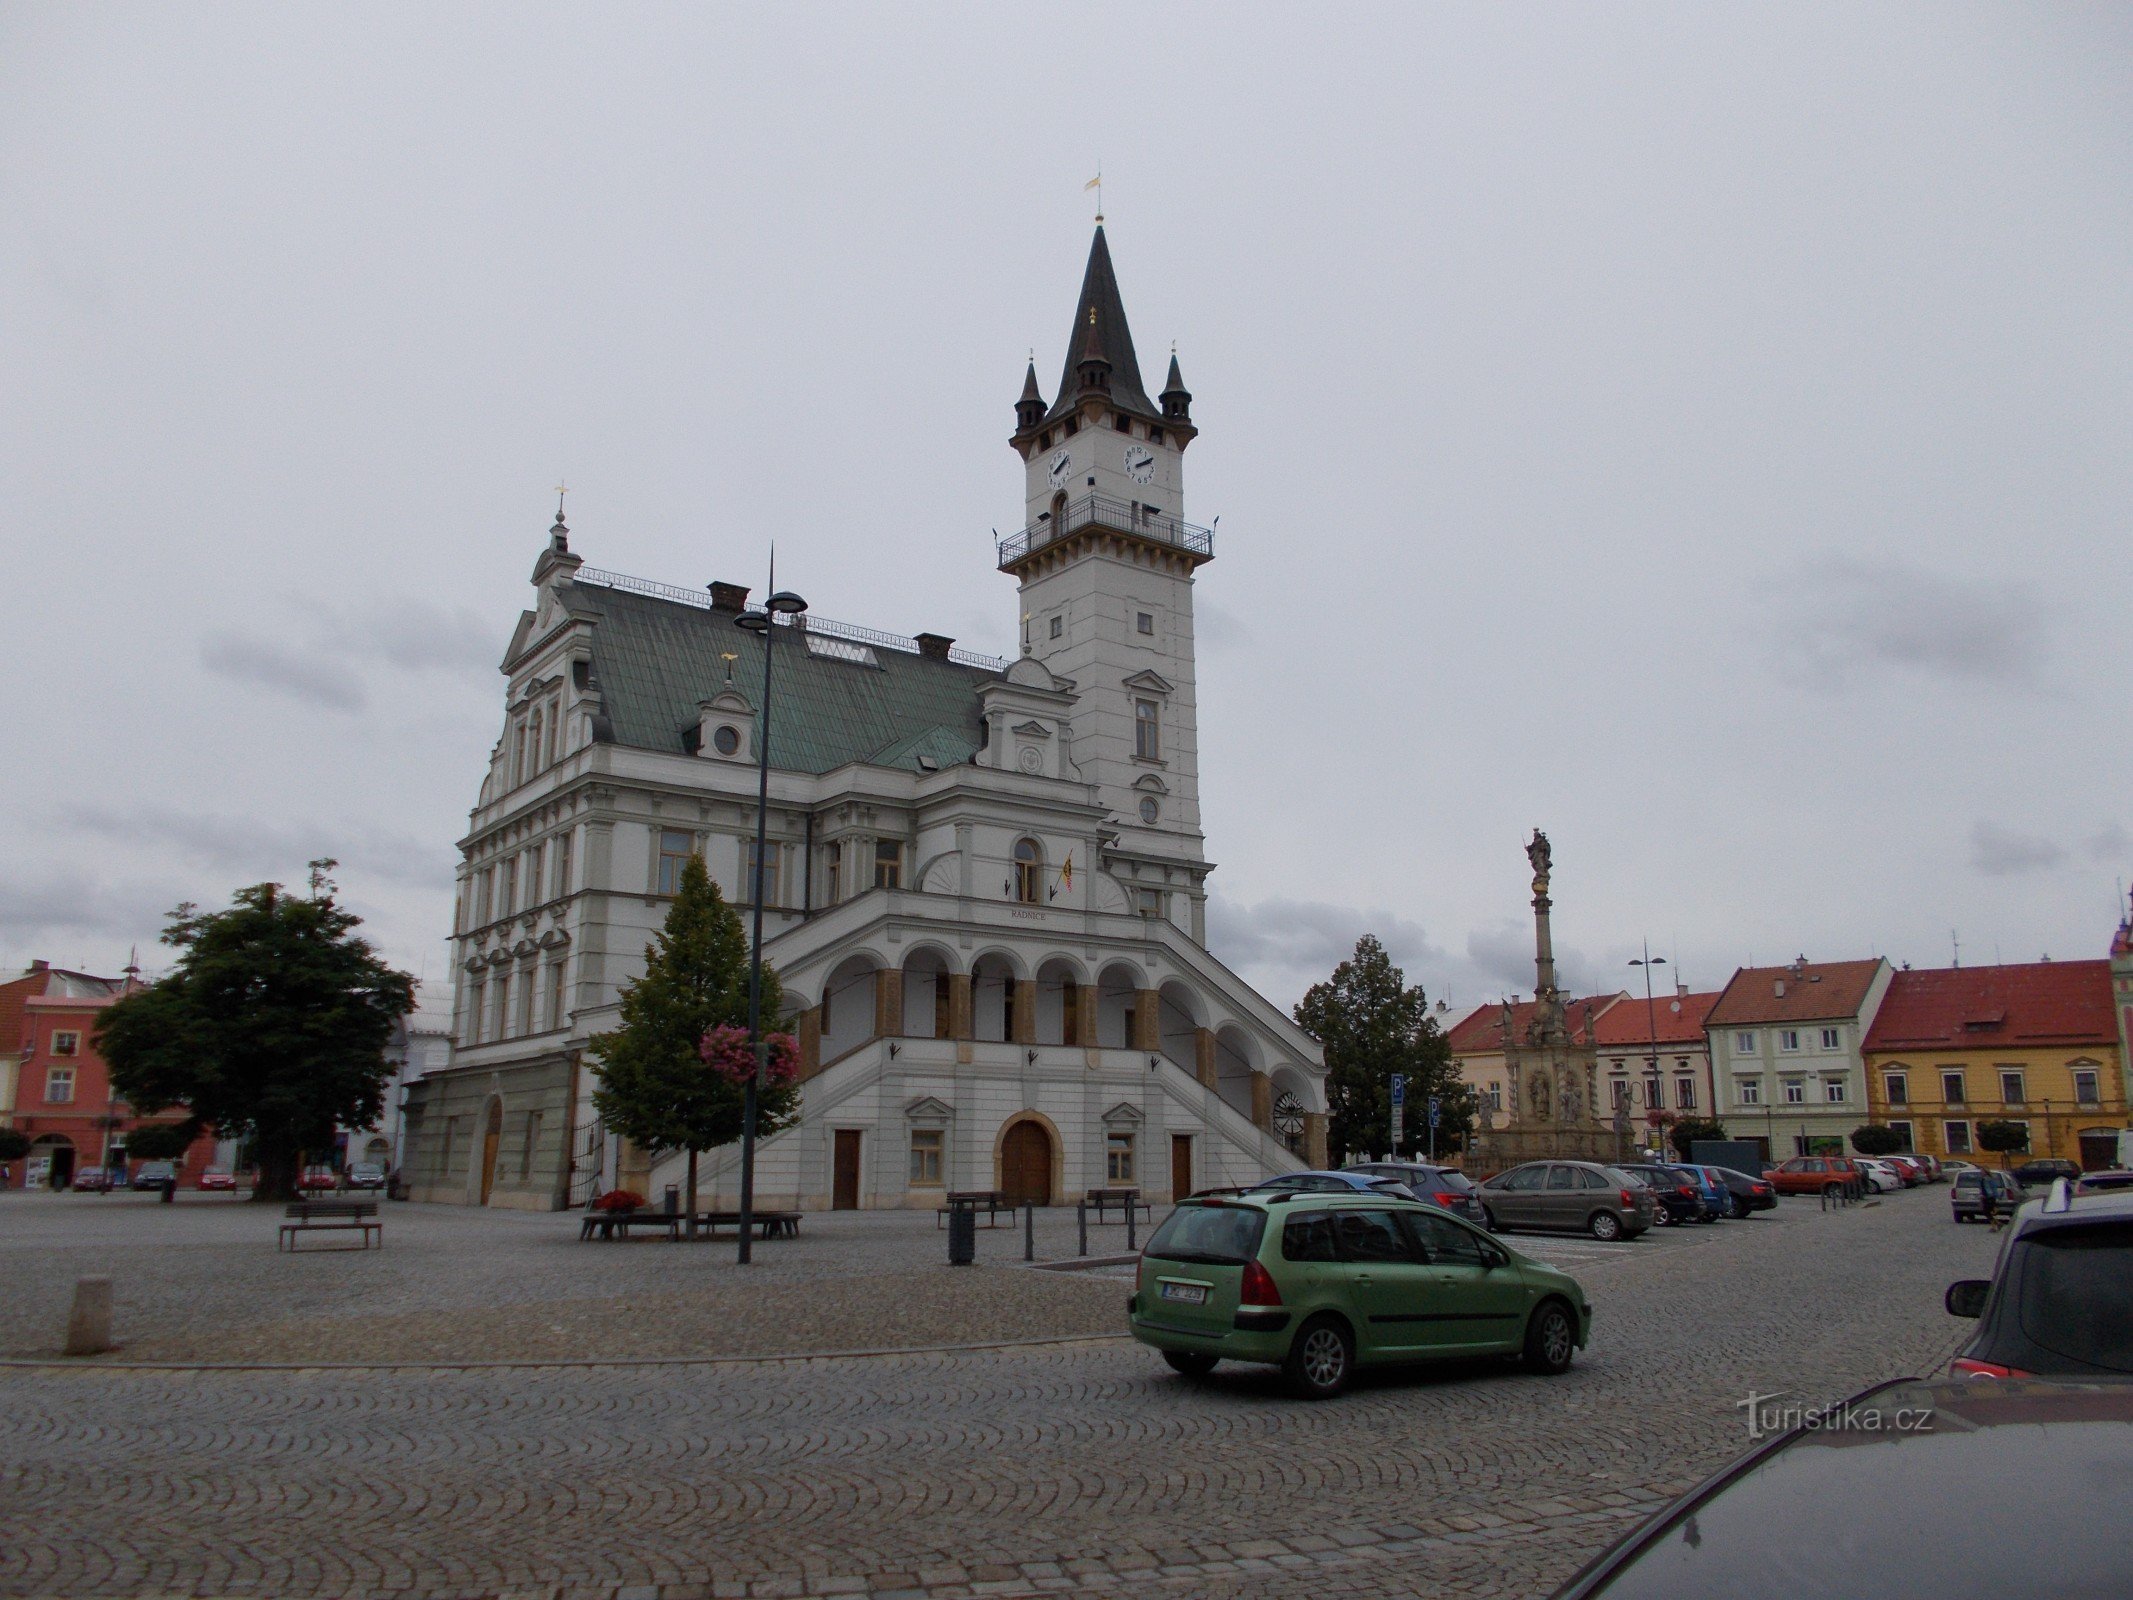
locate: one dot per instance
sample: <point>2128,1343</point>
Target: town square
<point>938,802</point>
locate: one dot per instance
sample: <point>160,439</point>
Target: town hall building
<point>985,884</point>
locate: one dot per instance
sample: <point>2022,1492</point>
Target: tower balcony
<point>1101,514</point>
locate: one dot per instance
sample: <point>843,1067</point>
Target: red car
<point>91,1180</point>
<point>319,1178</point>
<point>1914,1172</point>
<point>217,1178</point>
<point>1816,1175</point>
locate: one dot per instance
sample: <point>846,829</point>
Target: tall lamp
<point>782,602</point>
<point>1651,1021</point>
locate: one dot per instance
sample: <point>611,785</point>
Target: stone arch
<point>928,971</point>
<point>1118,988</point>
<point>1293,1096</point>
<point>847,1008</point>
<point>1181,1015</point>
<point>59,1150</point>
<point>1009,1182</point>
<point>1236,1059</point>
<point>994,977</point>
<point>1062,985</point>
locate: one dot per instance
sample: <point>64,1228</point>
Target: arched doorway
<point>1026,1164</point>
<point>490,1139</point>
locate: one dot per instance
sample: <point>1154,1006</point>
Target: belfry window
<point>1147,730</point>
<point>1029,871</point>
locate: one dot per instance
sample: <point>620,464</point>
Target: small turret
<point>1093,369</point>
<point>1029,410</point>
<point>557,557</point>
<point>1176,398</point>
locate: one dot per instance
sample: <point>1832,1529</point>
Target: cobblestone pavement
<point>1087,1469</point>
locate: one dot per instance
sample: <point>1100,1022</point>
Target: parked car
<point>1444,1186</point>
<point>1914,1489</point>
<point>1817,1175</point>
<point>217,1178</point>
<point>315,1178</point>
<point>2038,1173</point>
<point>1908,1168</point>
<point>155,1174</point>
<point>1679,1199</point>
<point>1319,1283</point>
<point>1573,1196</point>
<point>1966,1196</point>
<point>1330,1183</point>
<point>1750,1195</point>
<point>1710,1193</point>
<point>2104,1182</point>
<point>1934,1171</point>
<point>2059,1302</point>
<point>1954,1164</point>
<point>91,1180</point>
<point>1881,1176</point>
<point>366,1175</point>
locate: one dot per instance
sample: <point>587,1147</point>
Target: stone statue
<point>1570,1102</point>
<point>1540,855</point>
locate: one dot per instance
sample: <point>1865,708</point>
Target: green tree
<point>1684,1134</point>
<point>272,1026</point>
<point>14,1144</point>
<point>161,1141</point>
<point>1874,1139</point>
<point>1373,1025</point>
<point>2003,1139</point>
<point>655,1088</point>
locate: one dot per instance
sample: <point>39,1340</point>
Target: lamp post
<point>1651,1021</point>
<point>781,602</point>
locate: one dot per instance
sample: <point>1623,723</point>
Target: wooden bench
<point>768,1224</point>
<point>618,1224</point>
<point>993,1202</point>
<point>1125,1199</point>
<point>337,1216</point>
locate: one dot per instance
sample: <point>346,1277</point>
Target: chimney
<point>1681,987</point>
<point>933,646</point>
<point>40,966</point>
<point>729,597</point>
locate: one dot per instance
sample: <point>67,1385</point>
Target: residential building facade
<point>1654,1058</point>
<point>1786,1052</point>
<point>1480,1043</point>
<point>984,886</point>
<point>2036,1044</point>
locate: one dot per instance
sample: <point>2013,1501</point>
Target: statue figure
<point>1540,855</point>
<point>1570,1102</point>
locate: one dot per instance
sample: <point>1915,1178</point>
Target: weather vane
<point>1097,183</point>
<point>561,489</point>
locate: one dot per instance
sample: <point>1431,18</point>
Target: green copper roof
<point>655,660</point>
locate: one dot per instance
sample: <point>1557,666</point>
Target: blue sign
<point>1435,1110</point>
<point>1399,1089</point>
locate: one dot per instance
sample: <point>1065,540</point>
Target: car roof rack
<point>2061,1197</point>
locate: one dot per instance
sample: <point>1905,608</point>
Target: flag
<point>1066,871</point>
<point>1094,183</point>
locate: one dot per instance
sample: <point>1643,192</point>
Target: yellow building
<point>2037,1044</point>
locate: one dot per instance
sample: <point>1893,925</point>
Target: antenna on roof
<point>1957,943</point>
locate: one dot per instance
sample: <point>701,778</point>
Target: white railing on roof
<point>701,599</point>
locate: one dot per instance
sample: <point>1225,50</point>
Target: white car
<point>1881,1178</point>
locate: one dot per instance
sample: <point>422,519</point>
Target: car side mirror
<point>1494,1258</point>
<point>1966,1297</point>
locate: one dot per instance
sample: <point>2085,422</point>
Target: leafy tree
<point>1873,1139</point>
<point>14,1144</point>
<point>272,1025</point>
<point>1373,1025</point>
<point>2003,1138</point>
<point>161,1141</point>
<point>1688,1130</point>
<point>656,1088</point>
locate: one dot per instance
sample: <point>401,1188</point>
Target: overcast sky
<point>1699,431</point>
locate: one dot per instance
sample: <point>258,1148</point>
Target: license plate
<point>1185,1294</point>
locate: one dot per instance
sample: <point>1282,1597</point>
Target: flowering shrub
<point>728,1053</point>
<point>619,1200</point>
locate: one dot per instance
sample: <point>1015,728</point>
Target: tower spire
<point>1100,323</point>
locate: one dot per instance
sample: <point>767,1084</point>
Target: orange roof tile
<point>1680,1020</point>
<point>1814,992</point>
<point>2036,1003</point>
<point>1481,1030</point>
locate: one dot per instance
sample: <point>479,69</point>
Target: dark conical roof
<point>1175,383</point>
<point>1030,390</point>
<point>1099,294</point>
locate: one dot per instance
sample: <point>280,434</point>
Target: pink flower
<point>728,1052</point>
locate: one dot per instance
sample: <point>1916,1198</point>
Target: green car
<point>1318,1284</point>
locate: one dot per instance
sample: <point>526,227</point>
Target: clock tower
<point>1106,560</point>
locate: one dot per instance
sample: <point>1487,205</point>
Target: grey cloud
<point>267,665</point>
<point>1502,956</point>
<point>249,849</point>
<point>1846,620</point>
<point>2109,843</point>
<point>1218,627</point>
<point>51,914</point>
<point>2002,853</point>
<point>416,636</point>
<point>1309,938</point>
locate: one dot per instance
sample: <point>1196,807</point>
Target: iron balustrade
<point>1101,511</point>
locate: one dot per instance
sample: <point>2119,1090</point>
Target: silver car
<point>1569,1197</point>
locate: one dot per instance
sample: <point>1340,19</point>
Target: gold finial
<point>1097,183</point>
<point>561,489</point>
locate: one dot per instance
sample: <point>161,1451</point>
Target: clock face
<point>1140,463</point>
<point>1062,469</point>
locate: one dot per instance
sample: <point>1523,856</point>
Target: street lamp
<point>782,602</point>
<point>1651,1019</point>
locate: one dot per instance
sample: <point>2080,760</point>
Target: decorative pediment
<point>1149,783</point>
<point>1030,673</point>
<point>1032,730</point>
<point>554,939</point>
<point>1150,683</point>
<point>926,1110</point>
<point>1123,1115</point>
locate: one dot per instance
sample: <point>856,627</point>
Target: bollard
<point>1029,1231</point>
<point>1081,1218</point>
<point>962,1235</point>
<point>89,1324</point>
<point>1130,1208</point>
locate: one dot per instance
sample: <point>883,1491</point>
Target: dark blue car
<point>1715,1199</point>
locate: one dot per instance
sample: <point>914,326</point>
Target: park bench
<point>1125,1199</point>
<point>620,1224</point>
<point>768,1224</point>
<point>993,1202</point>
<point>343,1216</point>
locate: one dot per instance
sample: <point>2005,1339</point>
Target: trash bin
<point>673,1199</point>
<point>962,1235</point>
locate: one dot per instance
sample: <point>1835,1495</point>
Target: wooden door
<point>1026,1165</point>
<point>489,1141</point>
<point>1180,1166</point>
<point>844,1191</point>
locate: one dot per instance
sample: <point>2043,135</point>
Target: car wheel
<point>1193,1363</point>
<point>1604,1225</point>
<point>1488,1220</point>
<point>1551,1339</point>
<point>1320,1359</point>
<point>1739,1209</point>
<point>1831,1191</point>
<point>1662,1218</point>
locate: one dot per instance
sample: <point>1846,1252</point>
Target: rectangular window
<point>1833,1091</point>
<point>483,899</point>
<point>1058,626</point>
<point>1654,1095</point>
<point>501,1014</point>
<point>556,996</point>
<point>1069,1011</point>
<point>675,848</point>
<point>1118,1157</point>
<point>2085,1088</point>
<point>833,875</point>
<point>1618,1093</point>
<point>1899,1086</point>
<point>1744,1044</point>
<point>1748,1091</point>
<point>1958,1138</point>
<point>507,888</point>
<point>1147,730</point>
<point>926,1155</point>
<point>1685,1094</point>
<point>66,1042</point>
<point>773,863</point>
<point>1496,1097</point>
<point>532,1143</point>
<point>2011,1087</point>
<point>1148,902</point>
<point>534,859</point>
<point>1795,1092</point>
<point>1951,1087</point>
<point>1144,622</point>
<point>1788,1038</point>
<point>1902,1130</point>
<point>888,863</point>
<point>525,1001</point>
<point>555,728</point>
<point>59,1086</point>
<point>474,1012</point>
<point>1830,1039</point>
<point>562,864</point>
